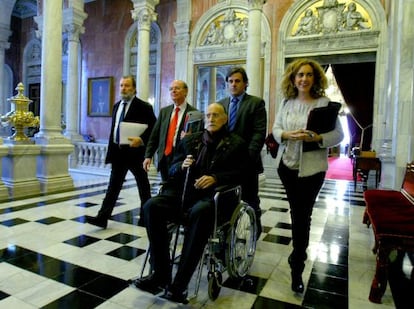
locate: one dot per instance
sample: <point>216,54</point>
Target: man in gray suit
<point>158,140</point>
<point>247,118</point>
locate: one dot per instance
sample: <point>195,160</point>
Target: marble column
<point>254,52</point>
<point>5,18</point>
<point>254,46</point>
<point>144,14</point>
<point>3,46</point>
<point>73,25</point>
<point>401,89</point>
<point>50,26</point>
<point>182,39</point>
<point>52,162</point>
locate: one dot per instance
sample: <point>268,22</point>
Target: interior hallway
<point>51,259</point>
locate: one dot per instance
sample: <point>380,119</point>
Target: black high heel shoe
<point>297,283</point>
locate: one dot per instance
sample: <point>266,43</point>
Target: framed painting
<point>100,96</point>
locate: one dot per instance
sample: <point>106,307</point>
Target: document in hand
<point>130,129</point>
<point>321,120</point>
<point>194,122</point>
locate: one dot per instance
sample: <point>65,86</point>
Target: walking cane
<point>187,173</point>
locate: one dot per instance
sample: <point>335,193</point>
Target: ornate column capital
<point>73,18</point>
<point>73,31</point>
<point>182,37</point>
<point>144,13</point>
<point>181,41</point>
<point>256,4</point>
<point>144,17</point>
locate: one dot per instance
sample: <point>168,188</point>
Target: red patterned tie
<point>171,132</point>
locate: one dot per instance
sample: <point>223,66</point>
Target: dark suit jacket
<point>157,139</point>
<point>227,165</point>
<point>138,112</point>
<point>251,125</point>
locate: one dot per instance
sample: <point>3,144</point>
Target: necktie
<point>233,113</point>
<point>121,118</point>
<point>171,132</point>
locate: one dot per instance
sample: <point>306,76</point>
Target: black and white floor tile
<point>50,258</point>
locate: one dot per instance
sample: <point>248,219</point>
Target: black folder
<point>321,120</point>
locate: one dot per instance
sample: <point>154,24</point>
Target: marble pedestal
<point>19,170</point>
<point>4,194</point>
<point>52,168</point>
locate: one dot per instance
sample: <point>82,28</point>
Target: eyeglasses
<point>175,88</point>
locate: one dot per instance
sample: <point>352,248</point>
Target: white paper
<point>130,129</point>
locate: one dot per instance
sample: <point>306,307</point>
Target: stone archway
<point>219,39</point>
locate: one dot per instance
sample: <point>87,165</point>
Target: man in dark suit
<point>249,122</point>
<point>126,157</point>
<point>159,136</point>
<point>215,158</point>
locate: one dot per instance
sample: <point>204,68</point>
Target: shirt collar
<point>182,106</point>
<point>239,98</point>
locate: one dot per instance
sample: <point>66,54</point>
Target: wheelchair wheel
<point>215,281</point>
<point>241,241</point>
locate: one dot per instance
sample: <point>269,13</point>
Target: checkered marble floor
<point>50,258</point>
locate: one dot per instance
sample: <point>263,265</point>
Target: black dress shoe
<point>297,283</point>
<point>103,223</point>
<point>150,284</point>
<point>175,296</point>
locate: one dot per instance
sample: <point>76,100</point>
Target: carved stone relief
<point>227,29</point>
<point>331,17</point>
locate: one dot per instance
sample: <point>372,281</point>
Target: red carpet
<point>340,168</point>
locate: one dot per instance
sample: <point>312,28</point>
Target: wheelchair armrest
<point>225,188</point>
<point>228,189</point>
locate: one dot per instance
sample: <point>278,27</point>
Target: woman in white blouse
<point>302,172</point>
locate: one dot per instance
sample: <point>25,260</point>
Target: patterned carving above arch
<point>331,27</point>
<point>220,30</point>
<point>327,17</point>
<point>226,29</point>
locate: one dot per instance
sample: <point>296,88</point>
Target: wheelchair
<point>231,246</point>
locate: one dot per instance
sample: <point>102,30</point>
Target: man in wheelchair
<point>203,161</point>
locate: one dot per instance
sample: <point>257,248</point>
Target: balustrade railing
<point>90,157</point>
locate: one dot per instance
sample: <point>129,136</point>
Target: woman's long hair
<point>288,83</point>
